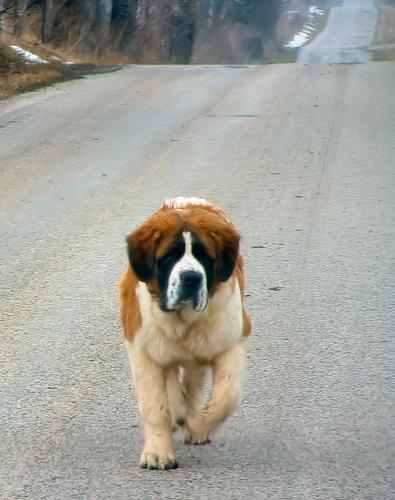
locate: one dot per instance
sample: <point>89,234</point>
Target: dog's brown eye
<point>200,252</point>
<point>174,253</point>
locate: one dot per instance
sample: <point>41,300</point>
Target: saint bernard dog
<point>183,317</point>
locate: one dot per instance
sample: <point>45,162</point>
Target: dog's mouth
<point>196,303</point>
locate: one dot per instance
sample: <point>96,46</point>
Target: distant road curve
<point>349,30</point>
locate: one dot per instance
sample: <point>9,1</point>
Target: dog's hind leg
<point>228,369</point>
<point>194,382</point>
<point>185,388</point>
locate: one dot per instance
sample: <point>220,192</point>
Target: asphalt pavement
<point>302,159</point>
<point>348,33</point>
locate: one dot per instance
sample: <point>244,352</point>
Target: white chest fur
<point>187,335</point>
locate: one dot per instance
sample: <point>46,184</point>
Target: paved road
<point>348,32</point>
<point>302,158</point>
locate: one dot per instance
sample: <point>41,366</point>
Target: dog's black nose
<point>191,279</point>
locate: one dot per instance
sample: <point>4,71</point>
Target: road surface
<point>302,159</point>
<point>349,31</point>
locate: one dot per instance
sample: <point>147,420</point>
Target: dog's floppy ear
<point>227,240</point>
<point>142,245</point>
<point>222,238</point>
<point>228,257</point>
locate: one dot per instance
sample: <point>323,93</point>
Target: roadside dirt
<point>32,78</point>
<point>17,76</point>
<point>385,30</point>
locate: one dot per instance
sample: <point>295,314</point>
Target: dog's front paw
<point>153,460</point>
<point>192,434</point>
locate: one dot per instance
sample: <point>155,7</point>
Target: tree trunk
<point>2,11</point>
<point>127,41</point>
<point>48,20</point>
<point>104,23</point>
<point>87,41</point>
<point>132,9</point>
<point>20,8</point>
<point>164,31</point>
<point>182,31</point>
<point>152,39</point>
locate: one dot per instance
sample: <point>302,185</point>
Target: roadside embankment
<point>22,70</point>
<point>384,42</point>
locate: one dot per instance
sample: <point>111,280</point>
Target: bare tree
<point>48,19</point>
<point>2,12</point>
<point>164,30</point>
<point>88,16</point>
<point>20,9</point>
<point>95,26</point>
<point>104,23</point>
<point>157,31</point>
<point>152,38</point>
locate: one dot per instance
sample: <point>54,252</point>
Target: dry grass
<point>384,55</point>
<point>17,76</point>
<point>64,44</point>
<point>32,78</point>
<point>107,58</point>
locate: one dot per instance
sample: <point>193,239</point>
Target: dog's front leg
<point>228,369</point>
<point>150,384</point>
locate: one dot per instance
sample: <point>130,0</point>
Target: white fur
<point>187,263</point>
<point>182,202</point>
<point>187,336</point>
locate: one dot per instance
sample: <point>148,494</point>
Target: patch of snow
<point>29,57</point>
<point>314,10</point>
<point>298,40</point>
<point>302,37</point>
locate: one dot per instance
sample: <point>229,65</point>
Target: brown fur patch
<point>239,273</point>
<point>130,309</point>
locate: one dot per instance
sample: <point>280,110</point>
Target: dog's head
<point>183,252</point>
